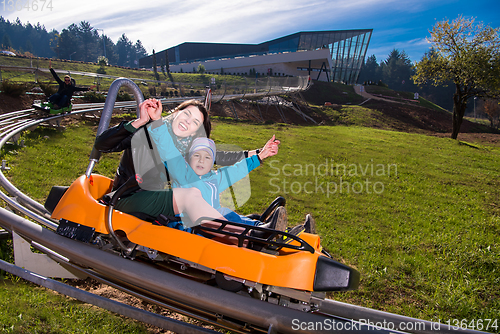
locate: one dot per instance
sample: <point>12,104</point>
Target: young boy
<point>201,159</point>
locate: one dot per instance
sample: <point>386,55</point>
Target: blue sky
<point>399,24</point>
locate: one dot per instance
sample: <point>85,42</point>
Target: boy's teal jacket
<point>183,176</point>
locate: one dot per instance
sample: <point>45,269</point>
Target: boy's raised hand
<point>154,109</point>
<point>149,109</point>
<point>271,148</point>
<point>143,115</point>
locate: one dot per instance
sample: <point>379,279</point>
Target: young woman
<point>188,121</point>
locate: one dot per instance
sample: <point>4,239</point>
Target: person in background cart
<point>66,89</point>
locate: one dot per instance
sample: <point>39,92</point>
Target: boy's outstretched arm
<point>229,175</point>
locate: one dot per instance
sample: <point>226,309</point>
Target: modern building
<point>335,55</point>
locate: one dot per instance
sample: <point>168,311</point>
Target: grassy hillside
<point>341,109</point>
<point>200,80</point>
<point>418,216</point>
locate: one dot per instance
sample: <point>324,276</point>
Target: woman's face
<point>187,121</point>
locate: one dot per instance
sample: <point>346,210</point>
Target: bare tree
<point>467,54</point>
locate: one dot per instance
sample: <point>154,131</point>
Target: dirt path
<point>360,90</point>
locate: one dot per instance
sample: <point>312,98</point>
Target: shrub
<point>124,96</point>
<point>92,96</point>
<point>152,90</point>
<point>163,88</point>
<point>47,88</point>
<point>102,61</point>
<point>382,84</point>
<point>14,89</point>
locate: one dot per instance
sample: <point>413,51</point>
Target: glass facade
<point>347,49</point>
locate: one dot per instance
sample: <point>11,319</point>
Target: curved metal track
<point>251,88</point>
<point>208,304</point>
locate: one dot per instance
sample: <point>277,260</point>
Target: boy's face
<point>201,162</point>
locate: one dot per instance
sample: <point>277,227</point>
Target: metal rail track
<point>208,304</point>
<point>251,88</point>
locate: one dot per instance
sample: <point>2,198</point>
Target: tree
<point>28,47</point>
<point>102,62</point>
<point>162,66</point>
<point>492,109</point>
<point>68,45</point>
<point>397,70</point>
<point>54,43</point>
<point>155,69</point>
<point>124,49</point>
<point>167,62</point>
<point>370,71</point>
<point>468,54</point>
<point>87,37</point>
<point>140,52</point>
<point>110,49</point>
<point>441,95</point>
<point>6,43</point>
<point>76,42</point>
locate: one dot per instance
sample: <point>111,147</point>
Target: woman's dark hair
<point>206,119</point>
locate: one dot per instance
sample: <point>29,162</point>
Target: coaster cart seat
<point>49,108</point>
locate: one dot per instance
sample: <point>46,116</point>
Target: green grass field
<point>417,215</point>
<point>27,308</point>
<point>189,81</point>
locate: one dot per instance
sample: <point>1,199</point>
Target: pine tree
<point>6,43</point>
<point>155,70</point>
